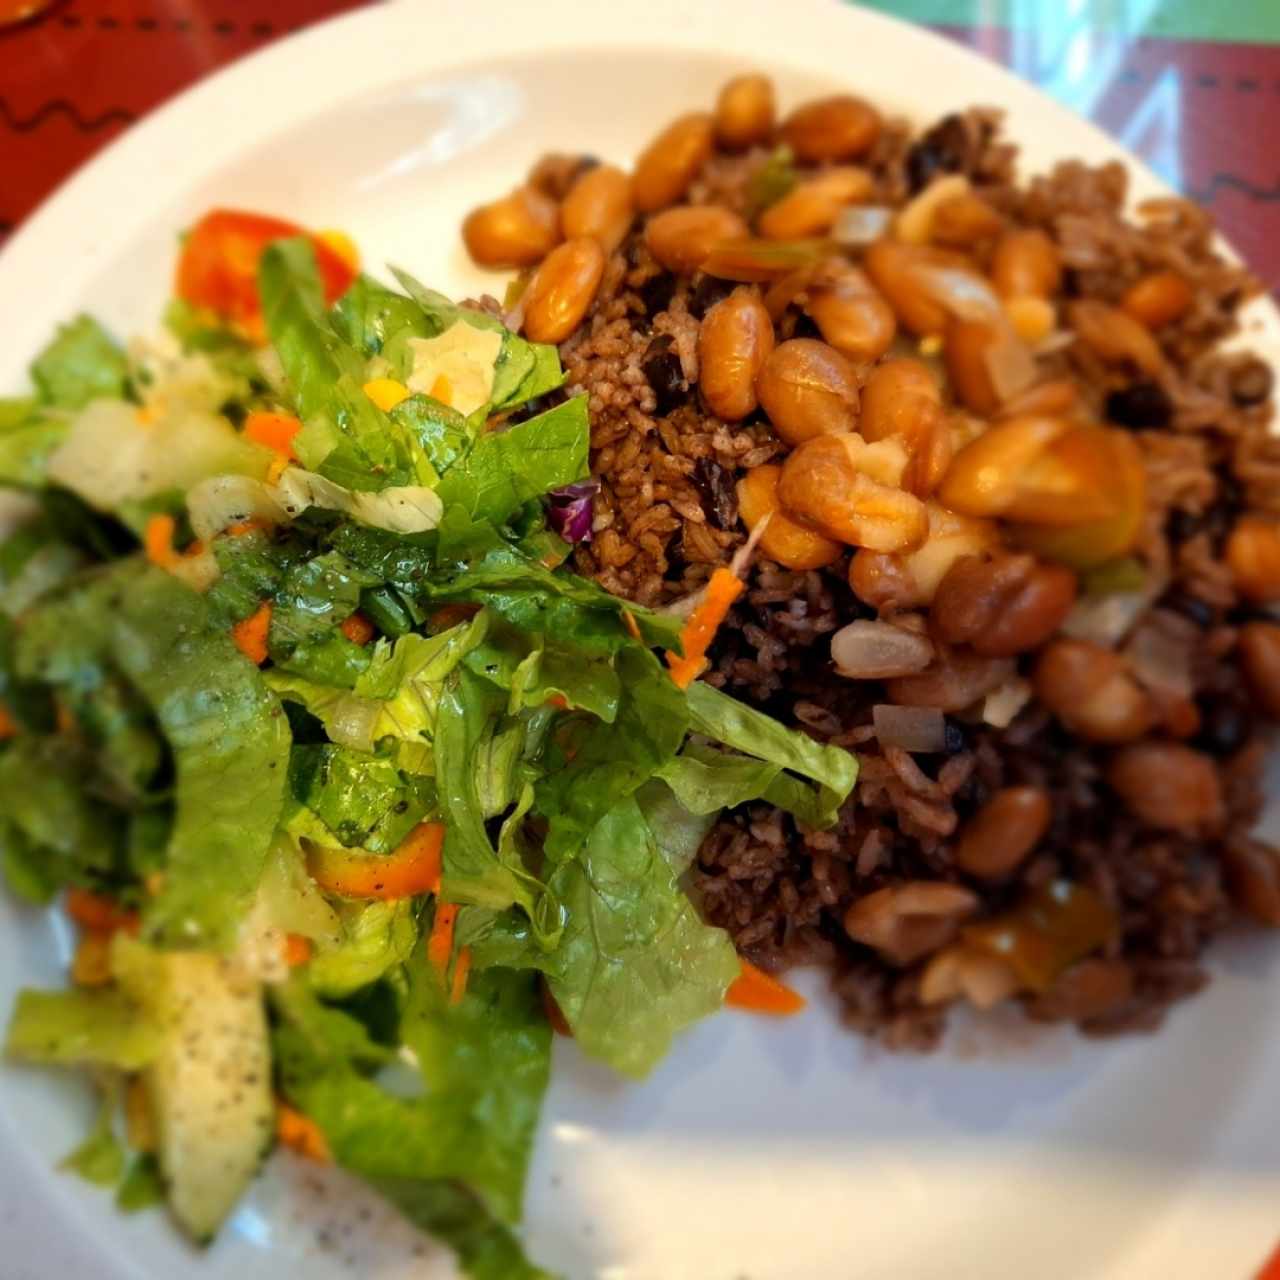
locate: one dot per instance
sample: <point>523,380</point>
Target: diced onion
<point>1001,706</point>
<point>921,729</point>
<point>1010,366</point>
<point>221,501</point>
<point>962,291</point>
<point>866,650</point>
<point>862,224</point>
<point>1160,650</point>
<point>1107,619</point>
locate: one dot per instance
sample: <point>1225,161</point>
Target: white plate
<point>774,1152</point>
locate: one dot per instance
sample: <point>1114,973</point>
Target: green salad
<point>333,763</point>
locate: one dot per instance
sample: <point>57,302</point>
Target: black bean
<point>1182,526</point>
<point>656,293</point>
<point>719,497</point>
<point>1251,383</point>
<point>707,292</point>
<point>942,149</point>
<point>1140,404</point>
<point>1226,724</point>
<point>1189,607</point>
<point>955,739</point>
<point>665,374</point>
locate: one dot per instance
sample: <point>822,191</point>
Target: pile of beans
<point>937,452</point>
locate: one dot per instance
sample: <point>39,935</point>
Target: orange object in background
<point>250,635</point>
<point>301,1134</point>
<point>14,11</point>
<point>218,268</point>
<point>1271,1268</point>
<point>760,992</point>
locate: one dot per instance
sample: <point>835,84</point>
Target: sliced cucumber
<point>210,1084</point>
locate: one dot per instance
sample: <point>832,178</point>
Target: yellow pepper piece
<point>386,393</point>
<point>343,245</point>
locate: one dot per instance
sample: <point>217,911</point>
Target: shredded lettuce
<point>375,937</point>
<point>100,1028</point>
<point>82,363</point>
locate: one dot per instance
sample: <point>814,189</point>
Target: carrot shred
<point>8,725</point>
<point>273,430</point>
<point>157,540</point>
<point>91,964</point>
<point>555,1014</point>
<point>700,629</point>
<point>449,615</point>
<point>297,950</point>
<point>558,701</point>
<point>760,992</point>
<point>358,629</point>
<point>633,629</point>
<point>250,634</point>
<point>461,970</point>
<point>415,867</point>
<point>300,1133</point>
<point>440,943</point>
<point>242,528</point>
<point>97,913</point>
<point>63,718</point>
<point>1271,1268</point>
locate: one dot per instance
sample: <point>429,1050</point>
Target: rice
<point>666,516</point>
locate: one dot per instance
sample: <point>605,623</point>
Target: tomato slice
<point>218,267</point>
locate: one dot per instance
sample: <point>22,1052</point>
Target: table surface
<point>1187,84</point>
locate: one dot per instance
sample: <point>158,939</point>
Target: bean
<point>1253,556</point>
<point>1026,263</point>
<point>963,220</point>
<point>1142,403</point>
<point>681,238</point>
<point>852,316</point>
<point>555,173</point>
<point>1003,604</point>
<point>1116,336</point>
<point>745,112</point>
<point>790,544</point>
<point>837,128</point>
<point>1050,399</point>
<point>889,582</point>
<point>997,839</point>
<point>516,231</point>
<point>1250,382</point>
<point>1260,657</point>
<point>735,340</point>
<point>719,497</point>
<point>892,397</point>
<point>908,921</point>
<point>957,970</point>
<point>1167,786</point>
<point>562,290</point>
<point>954,683</point>
<point>849,490</point>
<point>1087,991</point>
<point>811,207</point>
<point>598,205</point>
<point>965,351</point>
<point>901,272</point>
<point>1253,875</point>
<point>1091,691</point>
<point>671,162</point>
<point>987,475</point>
<point>1158,299</point>
<point>808,389</point>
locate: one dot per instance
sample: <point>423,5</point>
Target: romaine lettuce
<point>82,363</point>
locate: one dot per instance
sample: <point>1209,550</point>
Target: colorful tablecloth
<point>1192,86</point>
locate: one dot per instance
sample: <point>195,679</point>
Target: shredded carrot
<point>559,701</point>
<point>357,629</point>
<point>274,431</point>
<point>301,1134</point>
<point>98,913</point>
<point>555,1014</point>
<point>63,718</point>
<point>461,970</point>
<point>442,390</point>
<point>297,950</point>
<point>440,943</point>
<point>415,867</point>
<point>8,725</point>
<point>250,634</point>
<point>1271,1268</point>
<point>449,615</point>
<point>154,883</point>
<point>629,622</point>
<point>157,540</point>
<point>723,589</point>
<point>242,528</point>
<point>760,992</point>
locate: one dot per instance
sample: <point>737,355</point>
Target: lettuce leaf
<point>376,937</point>
<point>833,769</point>
<point>100,1157</point>
<point>29,435</point>
<point>505,469</point>
<point>98,1028</point>
<point>636,964</point>
<point>346,437</point>
<point>230,744</point>
<point>312,600</point>
<point>82,363</point>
